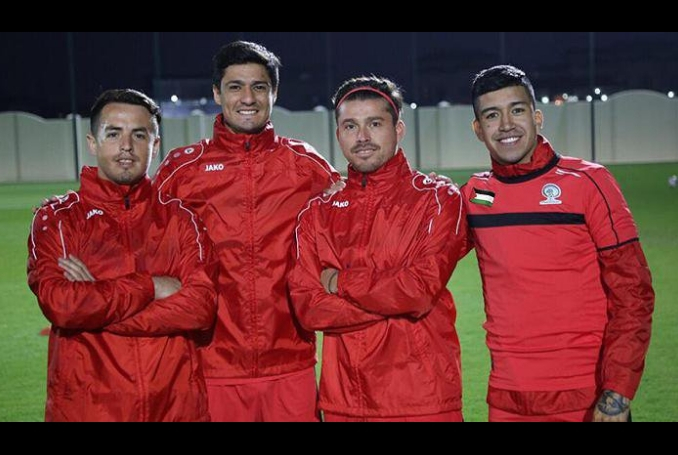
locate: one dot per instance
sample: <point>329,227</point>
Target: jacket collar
<point>114,197</point>
<point>227,140</point>
<point>543,160</point>
<point>388,175</point>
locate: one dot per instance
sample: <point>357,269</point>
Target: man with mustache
<point>125,280</point>
<point>568,292</point>
<point>373,263</point>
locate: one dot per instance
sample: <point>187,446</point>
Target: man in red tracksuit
<point>249,185</point>
<point>568,292</point>
<point>125,281</point>
<point>373,263</point>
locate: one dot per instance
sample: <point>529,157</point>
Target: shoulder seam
<point>602,195</point>
<point>322,199</point>
<point>312,156</point>
<point>182,166</point>
<point>55,211</point>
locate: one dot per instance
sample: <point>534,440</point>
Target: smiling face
<point>125,144</point>
<point>367,135</point>
<point>509,125</point>
<point>246,97</point>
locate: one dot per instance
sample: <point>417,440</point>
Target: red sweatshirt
<point>568,291</point>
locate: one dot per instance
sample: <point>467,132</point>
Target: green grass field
<point>655,206</point>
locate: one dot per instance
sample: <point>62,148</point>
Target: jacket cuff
<point>625,390</point>
<point>145,281</point>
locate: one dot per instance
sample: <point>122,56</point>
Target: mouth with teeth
<point>248,113</point>
<point>126,163</point>
<point>508,141</point>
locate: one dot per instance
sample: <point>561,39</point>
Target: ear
<point>539,120</point>
<point>216,91</point>
<point>156,147</point>
<point>401,131</point>
<point>275,97</point>
<point>478,130</point>
<point>92,145</point>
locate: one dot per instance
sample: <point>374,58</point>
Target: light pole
<point>70,43</point>
<point>592,88</point>
<point>415,84</point>
<point>330,89</point>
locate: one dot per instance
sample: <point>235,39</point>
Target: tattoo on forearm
<point>612,404</point>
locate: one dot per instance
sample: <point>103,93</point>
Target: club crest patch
<point>552,193</point>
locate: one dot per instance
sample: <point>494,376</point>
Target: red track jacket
<point>249,191</point>
<point>390,346</point>
<point>116,354</point>
<point>568,292</point>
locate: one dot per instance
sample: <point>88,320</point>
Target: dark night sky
<point>37,78</point>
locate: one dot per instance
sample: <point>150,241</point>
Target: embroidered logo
<point>481,197</point>
<point>93,213</point>
<point>341,205</point>
<point>214,168</point>
<point>552,193</point>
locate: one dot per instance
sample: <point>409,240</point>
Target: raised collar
<point>112,196</point>
<point>543,160</point>
<point>227,140</point>
<point>388,175</point>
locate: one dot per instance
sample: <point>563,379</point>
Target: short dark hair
<point>124,96</point>
<point>497,78</point>
<point>382,85</point>
<point>242,53</point>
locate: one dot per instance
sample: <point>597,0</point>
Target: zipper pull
<point>128,204</point>
<point>364,180</point>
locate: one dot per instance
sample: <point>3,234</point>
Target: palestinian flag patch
<point>481,197</point>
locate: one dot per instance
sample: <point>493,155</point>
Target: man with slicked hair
<point>568,292</point>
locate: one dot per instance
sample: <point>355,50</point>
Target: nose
<point>126,143</point>
<point>506,123</point>
<point>248,95</point>
<point>363,135</point>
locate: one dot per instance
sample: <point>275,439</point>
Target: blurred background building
<point>608,96</point>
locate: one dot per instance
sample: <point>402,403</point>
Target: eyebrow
<point>135,130</point>
<point>512,105</point>
<point>369,119</point>
<point>239,82</point>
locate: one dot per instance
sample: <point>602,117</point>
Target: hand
<point>338,187</point>
<point>75,270</point>
<point>45,203</point>
<point>165,287</point>
<point>330,280</point>
<point>445,179</point>
<point>612,407</point>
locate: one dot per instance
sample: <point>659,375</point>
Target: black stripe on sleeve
<point>614,247</point>
<point>525,219</point>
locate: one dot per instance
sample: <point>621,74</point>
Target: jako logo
<point>94,213</point>
<point>214,168</point>
<point>341,205</point>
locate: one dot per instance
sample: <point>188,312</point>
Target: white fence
<point>631,127</point>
